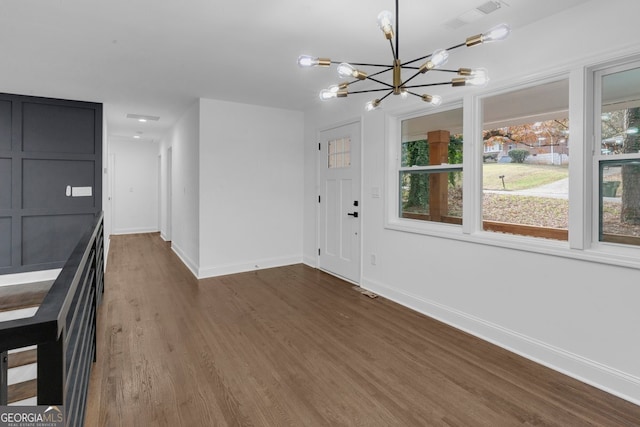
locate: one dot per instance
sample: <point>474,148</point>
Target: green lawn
<point>519,176</point>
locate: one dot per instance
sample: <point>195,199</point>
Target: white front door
<point>339,201</point>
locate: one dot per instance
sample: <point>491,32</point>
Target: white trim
<point>21,313</point>
<point>135,230</point>
<point>260,264</point>
<point>32,401</point>
<point>472,172</point>
<point>192,266</point>
<point>579,174</point>
<point>594,75</point>
<point>609,379</point>
<point>433,168</point>
<point>29,277</point>
<point>310,261</point>
<point>21,374</point>
<point>392,167</point>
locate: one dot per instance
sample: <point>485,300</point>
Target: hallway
<point>295,346</point>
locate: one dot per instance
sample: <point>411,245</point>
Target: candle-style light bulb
<point>497,33</point>
<point>385,19</point>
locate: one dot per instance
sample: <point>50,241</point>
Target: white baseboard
<point>22,373</point>
<point>21,313</point>
<point>310,261</point>
<point>135,230</point>
<point>247,266</point>
<point>32,401</point>
<point>611,380</point>
<point>191,265</point>
<point>29,277</point>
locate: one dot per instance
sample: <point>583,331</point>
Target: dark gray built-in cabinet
<point>50,179</point>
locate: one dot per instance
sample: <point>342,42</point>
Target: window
<point>339,153</point>
<point>521,155</point>
<point>430,169</point>
<point>618,158</point>
<point>525,161</point>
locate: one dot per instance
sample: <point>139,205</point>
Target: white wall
<point>135,186</point>
<point>185,187</point>
<point>578,317</point>
<point>251,174</point>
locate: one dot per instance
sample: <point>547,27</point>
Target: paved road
<point>555,190</point>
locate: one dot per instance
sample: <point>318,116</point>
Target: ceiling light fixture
<point>143,118</point>
<point>432,62</point>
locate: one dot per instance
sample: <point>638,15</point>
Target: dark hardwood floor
<point>294,346</point>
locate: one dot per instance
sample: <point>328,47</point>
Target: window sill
<point>601,253</point>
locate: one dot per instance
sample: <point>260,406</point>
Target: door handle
<point>354,214</point>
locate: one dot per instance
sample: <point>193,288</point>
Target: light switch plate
<point>81,191</point>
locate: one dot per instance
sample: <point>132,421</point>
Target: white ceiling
<point>156,57</point>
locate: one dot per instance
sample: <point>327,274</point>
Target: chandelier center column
<point>397,77</point>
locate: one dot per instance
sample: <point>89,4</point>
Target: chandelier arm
<point>457,46</point>
<point>394,53</point>
<point>417,59</point>
<point>379,81</point>
<point>428,84</point>
<point>369,91</point>
<point>364,64</point>
<point>382,71</point>
<point>390,92</point>
<point>428,56</point>
<point>411,78</point>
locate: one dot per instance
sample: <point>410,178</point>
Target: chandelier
<point>430,63</point>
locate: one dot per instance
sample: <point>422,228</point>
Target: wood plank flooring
<point>294,346</point>
<point>27,295</point>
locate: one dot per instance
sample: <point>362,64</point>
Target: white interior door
<point>339,201</point>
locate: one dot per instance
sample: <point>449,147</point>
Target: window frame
<point>478,132</point>
<point>583,226</point>
<point>595,74</point>
<point>393,154</point>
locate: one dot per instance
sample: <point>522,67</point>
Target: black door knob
<point>354,214</point>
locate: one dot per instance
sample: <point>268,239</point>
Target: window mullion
<point>580,147</point>
<point>472,178</point>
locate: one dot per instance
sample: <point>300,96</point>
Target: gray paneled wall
<point>50,179</point>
